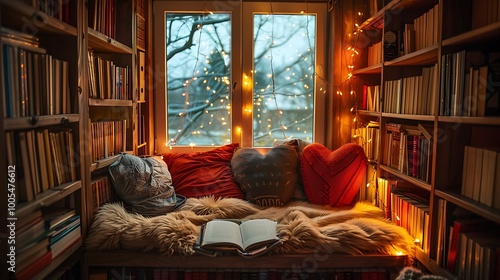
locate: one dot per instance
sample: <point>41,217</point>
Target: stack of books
<point>42,236</point>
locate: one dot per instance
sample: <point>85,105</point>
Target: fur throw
<point>302,227</point>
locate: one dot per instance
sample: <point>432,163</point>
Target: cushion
<point>298,145</point>
<point>204,173</point>
<point>332,177</point>
<point>144,184</point>
<point>267,180</point>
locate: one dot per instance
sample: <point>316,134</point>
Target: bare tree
<point>199,87</point>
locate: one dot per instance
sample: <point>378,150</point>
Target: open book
<point>248,238</point>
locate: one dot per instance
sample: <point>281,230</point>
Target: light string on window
<point>209,104</point>
<point>187,84</point>
<point>273,82</point>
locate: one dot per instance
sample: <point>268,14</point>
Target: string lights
<point>190,122</point>
<point>202,112</point>
<point>193,125</point>
<point>273,82</point>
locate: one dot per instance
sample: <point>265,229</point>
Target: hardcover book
<point>249,238</point>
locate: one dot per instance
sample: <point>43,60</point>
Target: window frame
<point>241,93</point>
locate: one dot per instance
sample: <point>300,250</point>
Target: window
<point>219,79</point>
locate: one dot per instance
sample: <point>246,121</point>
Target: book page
<point>221,232</point>
<point>258,231</point>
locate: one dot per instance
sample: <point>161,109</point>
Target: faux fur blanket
<point>302,227</point>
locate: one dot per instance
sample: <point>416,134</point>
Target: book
<point>249,238</point>
<point>460,227</point>
<point>65,240</point>
<point>35,267</point>
<point>54,216</point>
<point>31,232</point>
<point>33,252</point>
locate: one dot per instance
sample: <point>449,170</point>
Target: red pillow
<point>332,177</point>
<point>204,173</point>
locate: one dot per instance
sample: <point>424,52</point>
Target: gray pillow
<point>267,180</point>
<point>145,184</point>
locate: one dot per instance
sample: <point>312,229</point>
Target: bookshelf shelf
<point>372,69</point>
<point>422,57</point>
<point>407,178</point>
<point>39,121</point>
<point>102,43</point>
<point>470,120</point>
<point>477,36</point>
<point>368,113</point>
<point>19,14</point>
<point>109,102</point>
<point>471,205</point>
<point>103,163</point>
<point>424,118</point>
<point>48,198</point>
<point>374,22</point>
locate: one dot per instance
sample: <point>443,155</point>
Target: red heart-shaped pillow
<point>332,177</point>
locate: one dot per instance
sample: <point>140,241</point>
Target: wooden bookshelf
<point>39,37</point>
<point>461,26</point>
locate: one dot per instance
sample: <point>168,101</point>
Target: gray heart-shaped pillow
<point>267,179</point>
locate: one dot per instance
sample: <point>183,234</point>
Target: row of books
<point>413,216</point>
<point>42,236</point>
<point>108,138</point>
<point>56,9</point>
<point>485,12</point>
<point>383,196</point>
<point>474,250</point>
<point>481,176</point>
<point>45,157</point>
<point>36,83</point>
<point>408,149</point>
<point>375,54</point>
<point>375,273</point>
<point>107,80</point>
<point>407,206</point>
<point>425,30</point>
<point>371,98</point>
<point>422,32</point>
<point>367,137</point>
<point>102,192</point>
<point>102,16</point>
<point>412,95</point>
<point>468,85</point>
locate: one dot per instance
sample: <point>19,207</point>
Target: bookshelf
<point>72,104</point>
<point>432,77</point>
<point>115,100</point>
<point>41,125</point>
<point>145,103</point>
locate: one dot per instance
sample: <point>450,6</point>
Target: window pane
<point>198,48</point>
<point>283,85</point>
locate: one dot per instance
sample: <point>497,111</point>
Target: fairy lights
<point>200,112</point>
